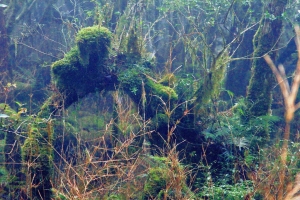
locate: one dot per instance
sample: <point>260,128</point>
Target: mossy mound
<point>93,43</point>
<point>66,70</point>
<point>82,70</point>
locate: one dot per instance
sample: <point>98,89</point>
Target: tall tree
<point>259,95</point>
<point>3,44</point>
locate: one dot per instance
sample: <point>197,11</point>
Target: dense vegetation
<point>149,99</point>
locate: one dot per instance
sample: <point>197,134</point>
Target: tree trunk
<point>3,48</point>
<point>259,95</point>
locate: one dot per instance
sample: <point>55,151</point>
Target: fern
<point>240,142</point>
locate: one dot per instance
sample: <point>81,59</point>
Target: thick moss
<point>93,43</point>
<point>82,69</point>
<point>165,92</point>
<point>67,70</point>
<point>36,150</point>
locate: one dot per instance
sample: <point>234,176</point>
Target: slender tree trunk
<point>284,153</point>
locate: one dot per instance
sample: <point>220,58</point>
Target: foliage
<point>37,153</point>
<point>131,79</point>
<point>225,191</point>
<point>167,178</point>
<point>155,183</point>
<point>158,69</point>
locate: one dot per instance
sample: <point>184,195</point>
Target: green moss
<point>36,150</point>
<point>156,182</point>
<point>168,80</point>
<point>165,92</point>
<point>93,43</point>
<point>131,80</point>
<point>218,72</point>
<point>94,122</point>
<point>46,110</point>
<point>72,55</point>
<point>81,70</point>
<point>66,67</point>
<point>67,70</point>
<point>213,80</point>
<point>63,66</point>
<point>30,148</point>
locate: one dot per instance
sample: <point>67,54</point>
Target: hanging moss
<point>133,48</point>
<point>218,72</point>
<point>213,81</point>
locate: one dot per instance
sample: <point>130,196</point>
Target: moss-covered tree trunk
<point>259,94</point>
<point>3,48</point>
<point>238,73</point>
<point>37,153</point>
<point>13,164</point>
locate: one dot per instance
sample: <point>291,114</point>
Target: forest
<point>149,99</point>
